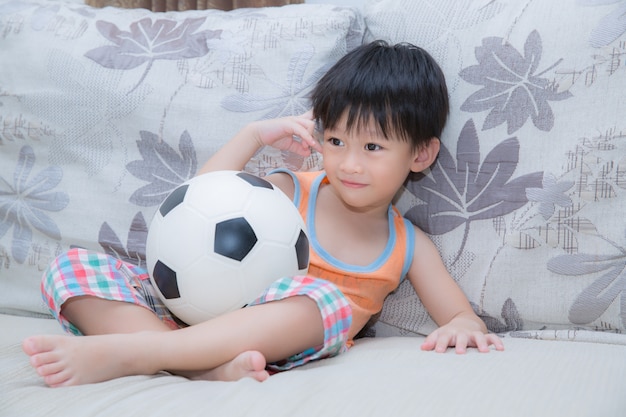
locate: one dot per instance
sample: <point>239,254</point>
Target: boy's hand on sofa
<point>461,332</point>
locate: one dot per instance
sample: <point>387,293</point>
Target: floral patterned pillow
<point>104,111</point>
<point>527,198</point>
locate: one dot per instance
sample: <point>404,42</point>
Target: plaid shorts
<point>335,310</point>
<point>80,272</point>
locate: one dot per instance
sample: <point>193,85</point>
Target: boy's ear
<point>426,155</point>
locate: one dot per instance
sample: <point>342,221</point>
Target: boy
<point>383,109</point>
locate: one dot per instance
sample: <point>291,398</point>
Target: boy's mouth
<point>352,184</point>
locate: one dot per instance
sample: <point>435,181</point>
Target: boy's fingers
<point>442,344</point>
<point>461,343</point>
<point>481,343</point>
<point>429,343</point>
<point>495,341</point>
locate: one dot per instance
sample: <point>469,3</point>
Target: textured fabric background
<point>526,201</point>
<point>104,111</point>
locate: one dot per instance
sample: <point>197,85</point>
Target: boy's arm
<point>279,133</point>
<point>446,303</point>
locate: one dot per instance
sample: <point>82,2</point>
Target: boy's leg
<point>276,330</point>
<point>93,315</point>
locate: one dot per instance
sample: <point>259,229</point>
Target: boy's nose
<point>351,162</point>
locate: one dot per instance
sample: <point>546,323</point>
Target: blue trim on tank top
<point>379,262</point>
<point>374,266</point>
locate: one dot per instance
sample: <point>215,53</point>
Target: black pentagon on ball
<point>173,200</point>
<point>255,181</point>
<point>166,280</point>
<point>302,250</point>
<point>234,238</point>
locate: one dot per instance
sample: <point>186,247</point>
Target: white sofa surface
<point>526,201</point>
<point>378,377</point>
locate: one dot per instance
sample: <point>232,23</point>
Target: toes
<point>30,345</point>
<point>255,361</point>
<point>48,361</point>
<point>59,379</point>
<point>49,368</point>
<point>260,375</point>
<point>255,364</point>
<point>40,359</point>
<point>39,344</point>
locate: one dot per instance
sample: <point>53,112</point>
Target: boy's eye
<point>335,141</point>
<point>372,147</point>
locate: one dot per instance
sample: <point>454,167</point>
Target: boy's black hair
<point>400,87</point>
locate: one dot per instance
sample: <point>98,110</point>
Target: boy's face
<point>365,168</point>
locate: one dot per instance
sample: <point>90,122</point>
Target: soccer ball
<point>218,240</point>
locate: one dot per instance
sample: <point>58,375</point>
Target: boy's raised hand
<point>291,133</point>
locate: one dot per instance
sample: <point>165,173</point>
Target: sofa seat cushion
<point>379,376</point>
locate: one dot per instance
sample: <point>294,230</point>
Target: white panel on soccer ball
<point>188,234</point>
<point>271,204</point>
<point>276,261</point>
<point>217,287</point>
<point>233,198</point>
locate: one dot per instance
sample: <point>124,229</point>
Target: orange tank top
<point>365,287</point>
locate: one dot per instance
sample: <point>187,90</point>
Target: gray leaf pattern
<point>512,89</point>
<point>463,189</point>
<point>510,314</point>
<point>162,167</point>
<point>24,202</point>
<point>135,250</point>
<point>290,98</point>
<point>552,194</point>
<point>611,27</point>
<point>600,294</point>
<point>599,175</point>
<point>148,41</point>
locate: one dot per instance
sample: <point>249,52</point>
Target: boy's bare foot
<point>250,364</point>
<point>71,360</point>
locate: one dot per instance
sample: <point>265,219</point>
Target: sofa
<point>104,111</point>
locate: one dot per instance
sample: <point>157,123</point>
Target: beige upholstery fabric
<point>378,377</point>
